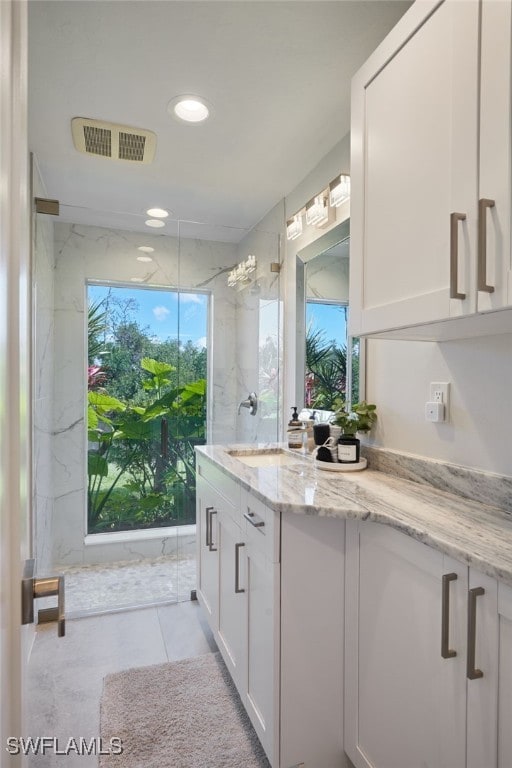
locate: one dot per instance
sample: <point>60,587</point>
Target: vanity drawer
<point>223,484</point>
<point>261,526</point>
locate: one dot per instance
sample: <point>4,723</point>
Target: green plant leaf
<point>133,430</point>
<point>196,387</point>
<point>156,368</point>
<point>155,411</point>
<point>150,502</point>
<point>96,464</point>
<point>92,418</point>
<point>104,403</point>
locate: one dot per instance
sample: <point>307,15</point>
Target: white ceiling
<point>277,74</point>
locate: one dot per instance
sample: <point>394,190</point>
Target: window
<point>146,405</point>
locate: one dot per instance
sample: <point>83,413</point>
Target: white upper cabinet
<point>494,251</point>
<point>418,173</point>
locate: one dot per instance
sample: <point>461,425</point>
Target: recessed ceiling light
<point>191,109</point>
<point>157,213</point>
<point>137,279</point>
<point>144,258</point>
<point>145,249</point>
<point>155,223</point>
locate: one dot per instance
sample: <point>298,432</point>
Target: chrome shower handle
<point>251,402</point>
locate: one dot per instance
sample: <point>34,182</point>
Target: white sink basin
<point>262,459</point>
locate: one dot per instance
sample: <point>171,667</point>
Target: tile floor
<point>95,588</point>
<point>65,676</point>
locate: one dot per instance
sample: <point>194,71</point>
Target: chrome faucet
<point>251,403</point>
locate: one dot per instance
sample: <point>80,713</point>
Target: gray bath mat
<point>185,714</point>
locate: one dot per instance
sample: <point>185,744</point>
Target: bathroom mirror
<point>327,358</point>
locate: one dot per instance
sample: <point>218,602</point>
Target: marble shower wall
<point>259,349</point>
<point>42,362</point>
<point>92,253</point>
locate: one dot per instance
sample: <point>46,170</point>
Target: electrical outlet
<point>440,393</point>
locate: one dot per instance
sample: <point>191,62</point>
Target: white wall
<point>84,253</point>
<point>478,434</point>
<point>42,386</point>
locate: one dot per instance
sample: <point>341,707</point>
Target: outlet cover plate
<point>440,393</point>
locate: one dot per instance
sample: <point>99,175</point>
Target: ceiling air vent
<point>118,142</point>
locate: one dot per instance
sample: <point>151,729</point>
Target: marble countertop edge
<point>474,533</point>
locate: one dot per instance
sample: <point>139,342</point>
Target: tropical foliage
<point>326,370</point>
<point>146,412</point>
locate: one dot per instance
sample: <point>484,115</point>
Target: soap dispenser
<point>295,430</point>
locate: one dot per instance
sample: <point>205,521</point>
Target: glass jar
<point>348,449</point>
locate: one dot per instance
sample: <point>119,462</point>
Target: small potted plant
<point>359,418</point>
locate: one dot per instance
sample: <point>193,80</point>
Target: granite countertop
<point>475,533</point>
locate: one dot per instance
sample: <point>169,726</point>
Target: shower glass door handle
<point>33,587</point>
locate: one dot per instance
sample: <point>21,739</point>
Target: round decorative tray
<point>331,466</point>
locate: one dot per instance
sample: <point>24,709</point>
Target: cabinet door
<point>207,551</point>
<point>231,636</point>
<point>414,163</point>
<point>505,677</point>
<point>404,702</point>
<point>495,156</point>
<point>482,689</point>
<point>261,681</point>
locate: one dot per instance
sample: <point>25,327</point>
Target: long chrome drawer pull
<point>483,205</point>
<point>472,672</point>
<point>454,255</point>
<point>212,512</point>
<point>254,520</point>
<point>237,567</point>
<point>446,652</point>
<point>208,527</point>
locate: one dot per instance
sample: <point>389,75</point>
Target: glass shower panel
<point>259,335</point>
<point>227,272</point>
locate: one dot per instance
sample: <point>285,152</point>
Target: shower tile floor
<point>97,588</point>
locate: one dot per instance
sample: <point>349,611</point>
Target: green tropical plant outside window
<point>143,426</point>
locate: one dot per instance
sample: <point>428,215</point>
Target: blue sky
<point>330,318</point>
<point>164,312</point>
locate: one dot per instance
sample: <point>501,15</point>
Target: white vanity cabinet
<point>232,600</point>
<point>207,551</point>
<point>272,590</point>
<point>238,586</point>
<point>258,572</point>
<point>431,182</point>
<point>420,627</point>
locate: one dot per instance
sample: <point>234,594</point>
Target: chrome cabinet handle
<point>237,567</point>
<point>208,527</point>
<point>32,588</point>
<point>254,520</point>
<point>483,205</point>
<point>454,255</point>
<point>472,672</point>
<point>446,652</point>
<point>211,513</point>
